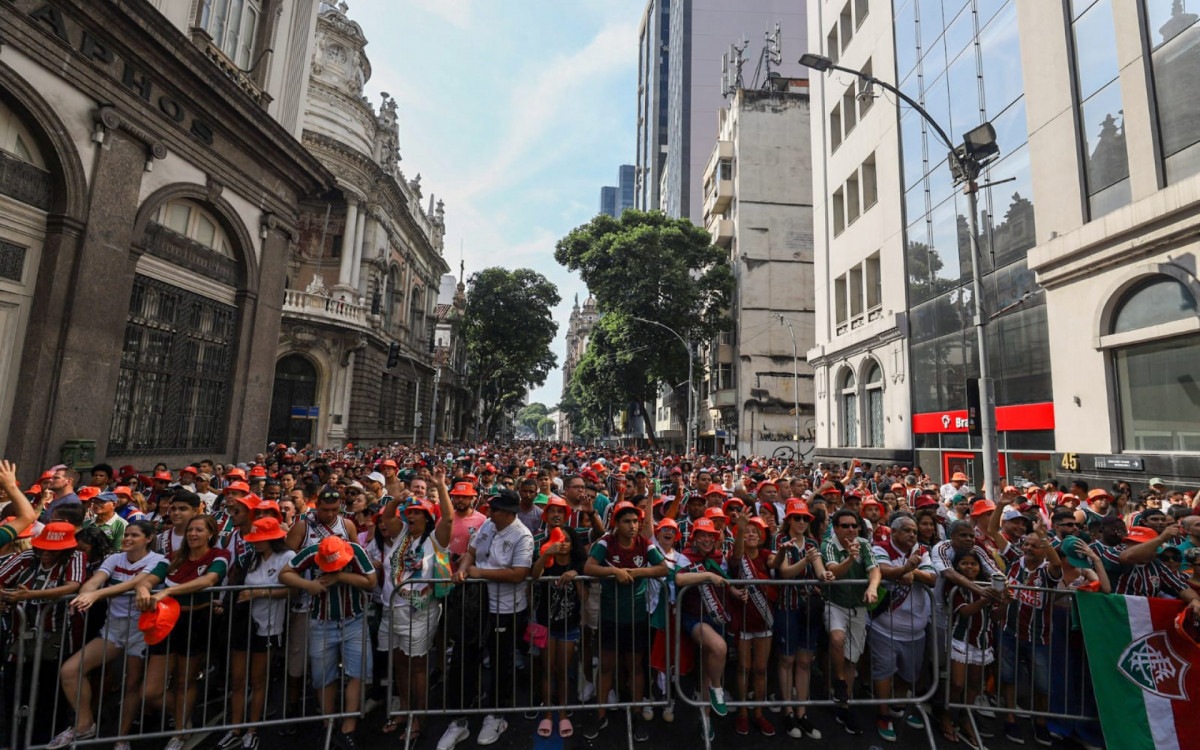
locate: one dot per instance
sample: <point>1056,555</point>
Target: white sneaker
<point>587,692</point>
<point>774,707</point>
<point>122,745</point>
<point>668,714</point>
<point>176,743</point>
<point>648,713</point>
<point>612,696</point>
<point>491,731</point>
<point>983,702</point>
<point>455,733</point>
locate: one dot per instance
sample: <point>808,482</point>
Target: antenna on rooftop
<point>731,68</point>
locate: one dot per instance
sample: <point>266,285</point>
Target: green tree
<point>645,265</point>
<point>545,428</point>
<point>509,328</point>
<point>532,415</point>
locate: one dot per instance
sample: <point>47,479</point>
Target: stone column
<point>74,342</point>
<point>360,235</point>
<point>339,394</point>
<point>348,244</point>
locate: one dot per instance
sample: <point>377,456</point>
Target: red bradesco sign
<point>1008,418</point>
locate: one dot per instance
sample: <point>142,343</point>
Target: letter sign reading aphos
<point>95,52</point>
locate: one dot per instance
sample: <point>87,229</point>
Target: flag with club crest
<point>1145,665</point>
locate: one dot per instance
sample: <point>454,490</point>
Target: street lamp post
<point>966,162</point>
<point>691,422</point>
<point>795,379</point>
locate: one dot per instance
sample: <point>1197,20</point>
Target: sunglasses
<point>847,526</point>
<point>1068,523</point>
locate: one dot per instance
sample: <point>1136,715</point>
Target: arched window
<point>1157,382</point>
<point>189,219</point>
<point>874,395</point>
<point>16,139</point>
<point>849,408</point>
<point>390,298</point>
<point>416,317</point>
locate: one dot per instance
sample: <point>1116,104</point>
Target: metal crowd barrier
<point>479,662</point>
<point>467,629</point>
<point>815,621</point>
<point>1048,682</point>
<point>219,640</point>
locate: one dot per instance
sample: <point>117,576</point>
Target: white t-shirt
<point>270,615</point>
<point>905,621</point>
<point>499,550</point>
<point>119,570</point>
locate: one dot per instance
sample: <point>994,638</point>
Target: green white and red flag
<point>1145,670</point>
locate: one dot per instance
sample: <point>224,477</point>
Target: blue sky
<point>515,112</point>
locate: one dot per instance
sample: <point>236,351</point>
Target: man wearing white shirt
<point>956,486</point>
<point>502,554</point>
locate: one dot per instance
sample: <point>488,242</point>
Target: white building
<point>758,203</point>
<point>1087,235</point>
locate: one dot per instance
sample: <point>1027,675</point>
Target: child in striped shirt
<point>970,642</point>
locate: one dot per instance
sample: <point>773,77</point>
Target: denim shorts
<point>1034,656</point>
<point>334,642</point>
<point>797,630</point>
<point>689,622</point>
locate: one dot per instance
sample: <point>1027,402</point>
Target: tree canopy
<point>643,265</point>
<point>509,328</point>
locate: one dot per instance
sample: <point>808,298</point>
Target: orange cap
<point>333,554</point>
<point>1140,534</point>
<point>157,623</point>
<point>981,507</point>
<point>958,476</point>
<point>556,535</point>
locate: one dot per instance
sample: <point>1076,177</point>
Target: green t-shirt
<point>845,595</point>
<point>624,603</point>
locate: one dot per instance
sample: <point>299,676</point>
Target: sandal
<point>411,736</point>
<point>970,741</point>
<point>545,728</point>
<point>392,725</point>
<point>950,735</point>
<point>565,728</point>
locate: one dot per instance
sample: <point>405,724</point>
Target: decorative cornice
<point>895,333</point>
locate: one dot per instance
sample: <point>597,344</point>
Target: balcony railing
<point>721,231</point>
<point>320,307</point>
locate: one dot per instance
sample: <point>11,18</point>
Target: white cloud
<point>553,100</point>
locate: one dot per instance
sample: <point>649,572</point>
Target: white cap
<point>375,476</point>
<point>1010,513</point>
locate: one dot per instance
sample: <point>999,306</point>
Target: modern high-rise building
<point>614,200</point>
<point>608,201</point>
<point>681,43</point>
<point>1085,225</point>
<point>626,179</point>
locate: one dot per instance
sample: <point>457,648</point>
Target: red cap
<point>732,501</point>
<point>980,507</point>
<point>237,487</point>
<point>624,467</point>
<point>625,505</point>
<point>235,473</point>
<point>333,553</point>
<point>872,501</point>
<point>87,493</point>
<point>56,535</point>
<point>667,523</point>
<point>797,507</point>
<point>761,524</point>
<point>157,623</point>
<point>464,489</point>
<point>556,535</point>
<point>926,501</point>
<point>123,490</point>
<point>250,500</point>
<point>389,464</point>
<point>258,471</point>
<point>555,501</point>
<point>597,467</point>
<point>421,504</point>
<point>704,526</point>
<point>1135,534</point>
<point>163,476</point>
<point>265,529</point>
<point>268,506</point>
<point>712,513</point>
<point>715,490</point>
<point>28,532</point>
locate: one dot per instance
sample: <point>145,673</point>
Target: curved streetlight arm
<point>667,328</point>
<point>910,102</point>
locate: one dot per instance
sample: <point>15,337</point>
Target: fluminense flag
<point>1145,670</point>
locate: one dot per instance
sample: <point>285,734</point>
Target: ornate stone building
<point>579,332</point>
<point>364,274</point>
<point>149,181</point>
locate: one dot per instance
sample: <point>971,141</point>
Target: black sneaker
<point>792,727</point>
<point>641,728</point>
<point>809,729</point>
<point>848,722</point>
<point>1041,735</point>
<point>344,741</point>
<point>595,726</point>
<point>229,741</point>
<point>1012,733</point>
<point>840,695</point>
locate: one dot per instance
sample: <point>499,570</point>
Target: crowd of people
<point>338,573</point>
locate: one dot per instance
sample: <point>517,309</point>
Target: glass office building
<point>962,60</point>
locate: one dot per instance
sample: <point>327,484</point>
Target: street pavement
<point>683,734</point>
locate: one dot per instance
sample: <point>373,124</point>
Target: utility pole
<point>433,412</point>
<point>691,421</point>
<point>966,163</point>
